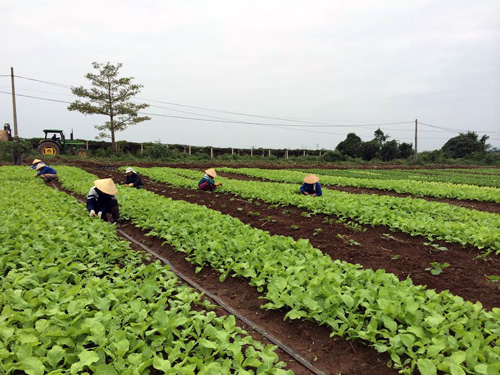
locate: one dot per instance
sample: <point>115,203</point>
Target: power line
<point>237,113</point>
<point>454,129</point>
<point>36,97</point>
<point>304,123</point>
<point>46,82</point>
<point>280,126</point>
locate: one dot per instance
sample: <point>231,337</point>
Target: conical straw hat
<point>106,185</point>
<point>36,161</point>
<point>40,166</point>
<point>211,172</point>
<point>311,179</point>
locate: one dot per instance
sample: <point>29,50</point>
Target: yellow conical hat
<point>106,185</point>
<point>36,161</point>
<point>311,179</point>
<point>40,166</point>
<point>211,172</point>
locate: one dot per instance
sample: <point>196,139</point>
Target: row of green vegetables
<point>433,220</point>
<point>76,300</point>
<point>419,328</point>
<point>418,188</point>
<point>429,175</point>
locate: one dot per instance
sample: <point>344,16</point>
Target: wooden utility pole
<point>211,152</point>
<point>416,139</point>
<point>14,102</point>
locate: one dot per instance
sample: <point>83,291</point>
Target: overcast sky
<point>328,62</point>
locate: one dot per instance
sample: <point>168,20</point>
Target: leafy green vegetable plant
<point>418,328</point>
<point>76,300</point>
<point>437,268</point>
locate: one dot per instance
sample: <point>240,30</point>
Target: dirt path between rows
<point>372,247</point>
<point>334,355</point>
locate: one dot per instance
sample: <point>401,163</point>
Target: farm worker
<point>133,179</point>
<point>46,172</point>
<point>207,183</point>
<point>34,163</point>
<point>102,200</point>
<point>311,186</point>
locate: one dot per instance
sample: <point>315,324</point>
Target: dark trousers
<point>205,186</point>
<point>114,212</point>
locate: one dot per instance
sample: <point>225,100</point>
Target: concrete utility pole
<point>14,102</point>
<point>416,139</point>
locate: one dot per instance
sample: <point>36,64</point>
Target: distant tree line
<point>378,148</point>
<point>464,146</point>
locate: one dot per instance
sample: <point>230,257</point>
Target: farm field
<point>77,300</point>
<point>340,244</point>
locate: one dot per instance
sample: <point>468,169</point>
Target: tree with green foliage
<point>351,146</point>
<point>370,150</point>
<point>380,137</point>
<point>465,144</point>
<point>390,151</point>
<point>406,150</point>
<point>110,96</point>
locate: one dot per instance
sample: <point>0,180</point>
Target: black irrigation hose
<point>286,348</point>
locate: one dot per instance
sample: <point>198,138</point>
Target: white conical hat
<point>311,179</point>
<point>106,185</point>
<point>40,166</point>
<point>211,172</point>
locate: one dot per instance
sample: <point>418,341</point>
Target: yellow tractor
<point>58,144</point>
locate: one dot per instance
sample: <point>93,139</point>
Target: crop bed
<point>379,248</point>
<point>391,243</point>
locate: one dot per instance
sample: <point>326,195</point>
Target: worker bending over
<point>133,179</point>
<point>311,186</point>
<point>207,183</point>
<point>45,172</point>
<point>102,200</point>
<point>34,163</point>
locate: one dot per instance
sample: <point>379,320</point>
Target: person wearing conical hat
<point>207,183</point>
<point>34,163</point>
<point>45,172</point>
<point>311,186</point>
<point>133,179</point>
<point>101,200</point>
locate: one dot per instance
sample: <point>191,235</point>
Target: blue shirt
<point>208,179</point>
<point>311,189</point>
<point>47,170</point>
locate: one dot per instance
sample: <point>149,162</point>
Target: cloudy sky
<point>322,69</point>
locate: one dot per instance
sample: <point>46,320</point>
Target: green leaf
<point>426,367</point>
<point>104,369</point>
<point>161,364</point>
<point>456,370</point>
<point>55,355</point>
<point>87,357</point>
<point>33,366</point>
